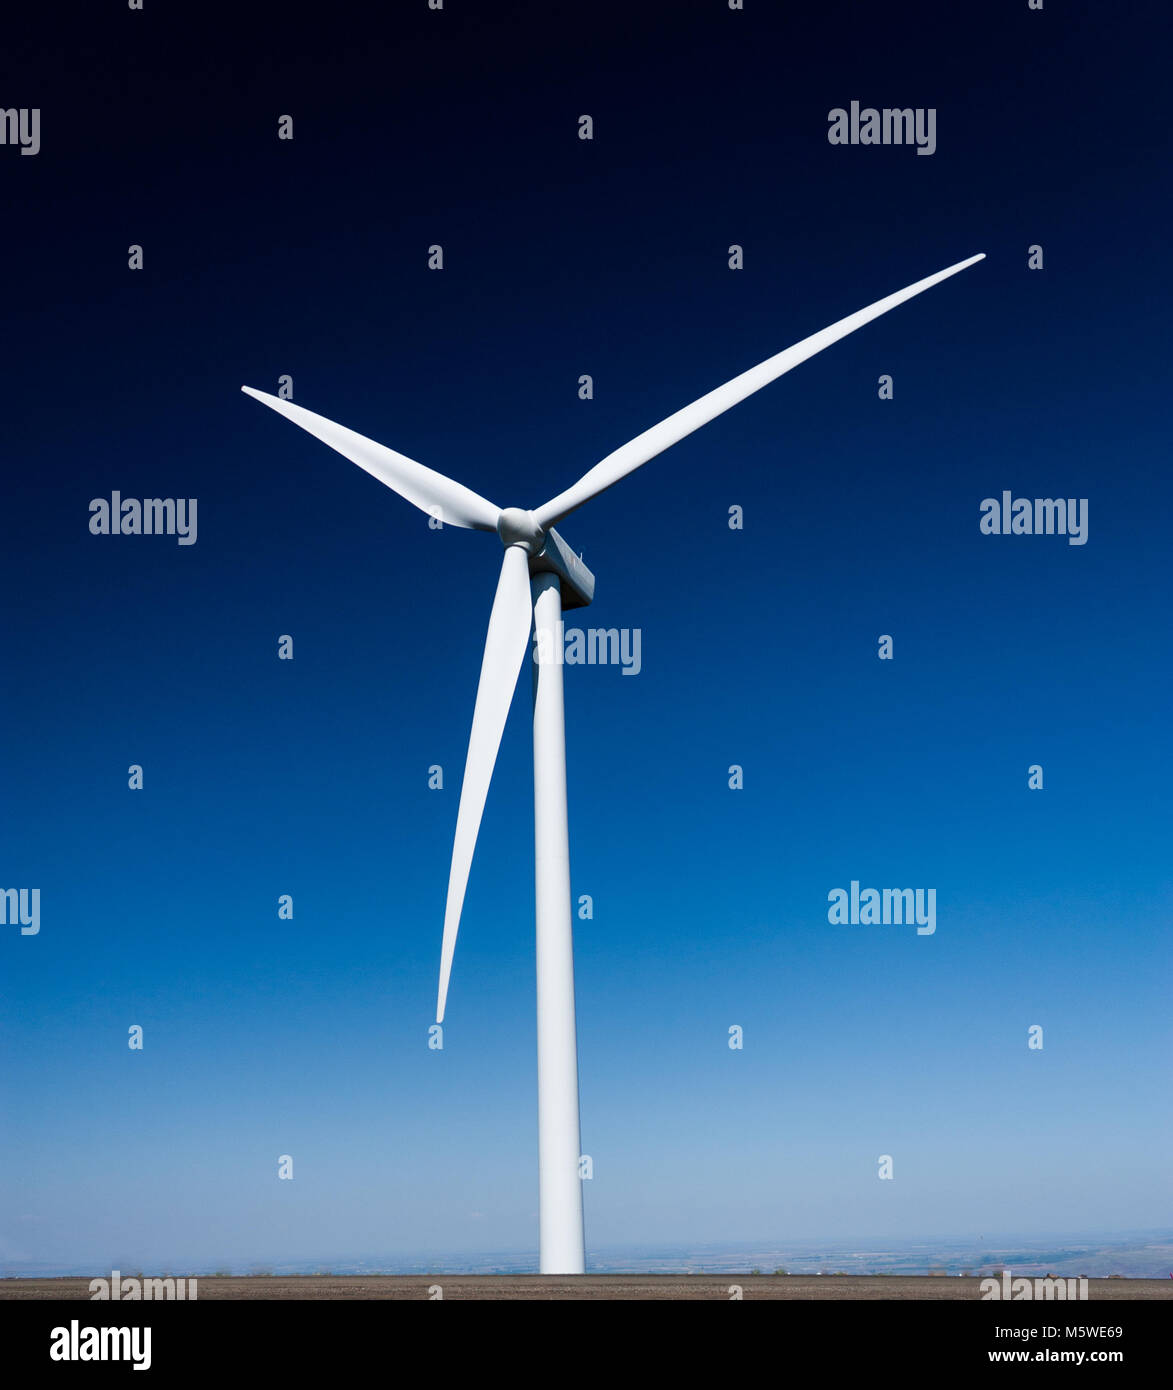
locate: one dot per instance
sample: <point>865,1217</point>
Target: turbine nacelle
<point>576,582</point>
<point>548,553</point>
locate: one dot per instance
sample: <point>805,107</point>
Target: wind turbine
<point>540,577</point>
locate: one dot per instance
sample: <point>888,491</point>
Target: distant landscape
<point>1136,1255</point>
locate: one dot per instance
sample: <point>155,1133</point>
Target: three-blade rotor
<point>522,533</point>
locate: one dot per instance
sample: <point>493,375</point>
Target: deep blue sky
<point>861,517</point>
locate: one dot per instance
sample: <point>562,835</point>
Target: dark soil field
<point>587,1287</point>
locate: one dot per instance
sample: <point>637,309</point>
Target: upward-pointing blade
<point>505,648</point>
<point>654,441</point>
<point>432,492</point>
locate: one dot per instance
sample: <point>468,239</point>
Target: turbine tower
<point>541,577</point>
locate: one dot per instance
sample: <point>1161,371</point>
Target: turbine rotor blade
<point>505,648</point>
<point>645,446</point>
<point>431,492</point>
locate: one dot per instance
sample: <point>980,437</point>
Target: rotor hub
<point>516,526</point>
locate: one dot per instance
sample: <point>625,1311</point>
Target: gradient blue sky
<point>861,517</point>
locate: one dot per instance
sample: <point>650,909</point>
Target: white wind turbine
<point>541,576</point>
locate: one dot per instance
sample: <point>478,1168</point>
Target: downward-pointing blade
<point>432,492</point>
<point>654,441</point>
<point>505,648</point>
